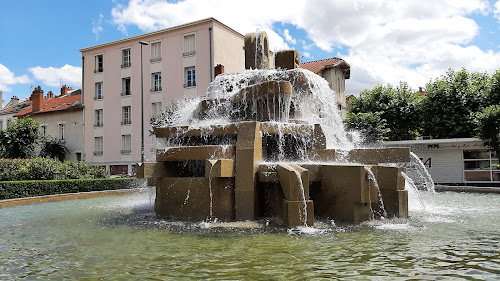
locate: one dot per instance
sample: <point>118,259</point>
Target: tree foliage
<point>370,125</point>
<point>449,110</point>
<point>20,139</point>
<point>54,148</point>
<point>398,106</point>
<point>488,126</point>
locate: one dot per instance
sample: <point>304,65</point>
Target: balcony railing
<point>187,54</point>
<point>125,151</point>
<point>126,64</point>
<point>98,97</point>
<point>98,152</point>
<point>190,84</point>
<point>155,59</point>
<point>98,124</point>
<point>126,122</point>
<point>156,89</point>
<point>98,70</point>
<point>127,93</point>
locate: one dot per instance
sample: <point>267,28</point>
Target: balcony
<point>155,59</point>
<point>156,89</point>
<point>126,64</point>
<point>190,84</point>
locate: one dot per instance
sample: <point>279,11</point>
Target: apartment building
<point>176,62</point>
<point>335,71</point>
<point>60,116</point>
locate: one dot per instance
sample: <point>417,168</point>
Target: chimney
<point>14,100</point>
<point>218,69</point>
<point>50,95</point>
<point>65,89</point>
<point>37,99</point>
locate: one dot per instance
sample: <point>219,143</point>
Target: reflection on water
<point>456,236</point>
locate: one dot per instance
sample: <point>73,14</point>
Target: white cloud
<point>288,37</point>
<point>7,78</point>
<point>496,10</point>
<point>306,55</point>
<point>97,28</point>
<point>52,76</point>
<point>384,41</point>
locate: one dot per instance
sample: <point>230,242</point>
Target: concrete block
<point>380,155</point>
<point>184,153</point>
<point>256,50</point>
<point>293,213</point>
<point>186,131</point>
<point>248,154</point>
<point>389,178</point>
<point>395,203</point>
<point>345,193</point>
<point>152,170</point>
<point>314,170</point>
<point>189,198</point>
<point>294,182</point>
<point>221,168</point>
<point>287,59</point>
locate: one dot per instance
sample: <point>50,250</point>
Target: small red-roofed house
<point>60,116</point>
<point>335,71</point>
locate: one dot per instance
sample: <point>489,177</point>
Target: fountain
<point>270,143</point>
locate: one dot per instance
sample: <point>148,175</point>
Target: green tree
<point>54,148</point>
<point>399,106</point>
<point>20,138</point>
<point>488,126</point>
<point>449,110</point>
<point>494,94</point>
<point>370,125</point>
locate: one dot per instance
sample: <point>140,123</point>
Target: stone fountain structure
<point>260,145</point>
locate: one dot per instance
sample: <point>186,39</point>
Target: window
<point>98,91</point>
<point>189,77</point>
<point>338,85</point>
<point>126,86</point>
<point>98,146</point>
<point>481,165</point>
<point>126,58</point>
<point>98,118</point>
<point>156,52</point>
<point>61,131</point>
<point>44,130</point>
<point>155,108</point>
<point>126,144</point>
<point>126,115</point>
<point>189,45</point>
<point>98,64</point>
<point>156,82</point>
<point>339,106</point>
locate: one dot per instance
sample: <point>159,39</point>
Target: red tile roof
<point>318,65</point>
<point>70,101</point>
<point>15,108</point>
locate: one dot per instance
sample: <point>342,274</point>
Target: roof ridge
<point>322,60</point>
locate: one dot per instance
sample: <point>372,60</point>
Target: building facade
<point>465,161</point>
<point>335,71</point>
<point>13,107</point>
<point>60,117</point>
<point>176,62</point>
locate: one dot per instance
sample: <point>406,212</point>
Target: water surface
<point>456,236</point>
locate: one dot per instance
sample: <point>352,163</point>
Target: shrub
<point>47,169</point>
<point>20,189</point>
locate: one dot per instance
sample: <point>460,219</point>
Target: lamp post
<point>142,105</point>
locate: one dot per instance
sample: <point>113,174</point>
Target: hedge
<point>47,169</point>
<point>20,189</point>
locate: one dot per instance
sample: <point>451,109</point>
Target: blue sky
<point>383,41</point>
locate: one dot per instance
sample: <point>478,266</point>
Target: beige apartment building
<point>176,62</point>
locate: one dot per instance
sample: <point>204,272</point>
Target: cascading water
<point>419,174</point>
<point>373,179</point>
<point>301,186</point>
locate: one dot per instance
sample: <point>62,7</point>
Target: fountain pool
<point>456,236</point>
